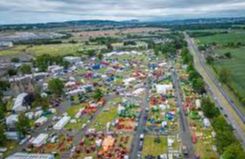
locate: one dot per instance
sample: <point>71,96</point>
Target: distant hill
<point>129,23</point>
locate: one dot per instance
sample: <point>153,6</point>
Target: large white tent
<point>40,140</point>
<point>61,123</point>
<point>18,104</point>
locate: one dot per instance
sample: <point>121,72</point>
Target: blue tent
<point>96,67</point>
<point>110,79</point>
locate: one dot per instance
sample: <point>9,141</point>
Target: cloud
<point>31,11</point>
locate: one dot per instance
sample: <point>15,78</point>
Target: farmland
<point>52,49</point>
<point>230,43</point>
<point>233,36</point>
<point>236,65</point>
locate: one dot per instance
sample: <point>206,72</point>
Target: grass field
<point>10,144</point>
<point>104,117</point>
<point>152,148</point>
<point>52,49</point>
<point>78,125</point>
<point>72,111</point>
<point>236,65</point>
<point>234,36</point>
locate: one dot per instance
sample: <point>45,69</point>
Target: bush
<point>25,69</point>
<point>12,72</point>
<point>15,59</point>
<point>209,108</point>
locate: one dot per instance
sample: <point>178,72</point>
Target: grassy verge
<point>104,117</point>
<point>74,109</point>
<point>153,148</point>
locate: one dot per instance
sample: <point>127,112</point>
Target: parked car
<point>141,137</point>
<point>185,150</point>
<point>141,146</point>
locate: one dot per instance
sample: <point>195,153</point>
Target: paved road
<point>184,131</point>
<point>233,117</point>
<point>141,124</point>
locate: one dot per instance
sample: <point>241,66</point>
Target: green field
<point>52,49</point>
<point>236,65</point>
<point>234,36</point>
<point>150,147</point>
<point>73,110</point>
<point>78,125</point>
<point>104,117</point>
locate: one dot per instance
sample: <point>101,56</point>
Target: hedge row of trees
<point>103,40</point>
<point>195,78</point>
<point>177,42</point>
<point>205,33</point>
<point>43,61</point>
<point>38,42</point>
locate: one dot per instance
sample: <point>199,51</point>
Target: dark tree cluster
<point>205,33</point>
<point>43,61</point>
<point>194,77</point>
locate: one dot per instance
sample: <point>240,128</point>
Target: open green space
<point>74,109</point>
<point>203,146</point>
<point>107,115</point>
<point>236,66</point>
<point>53,49</point>
<point>151,147</point>
<point>78,124</point>
<point>233,36</point>
<point>204,150</point>
<point>10,145</point>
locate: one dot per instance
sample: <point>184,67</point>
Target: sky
<point>39,11</point>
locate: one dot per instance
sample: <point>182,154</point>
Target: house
<point>22,155</point>
<point>40,140</point>
<point>20,104</point>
